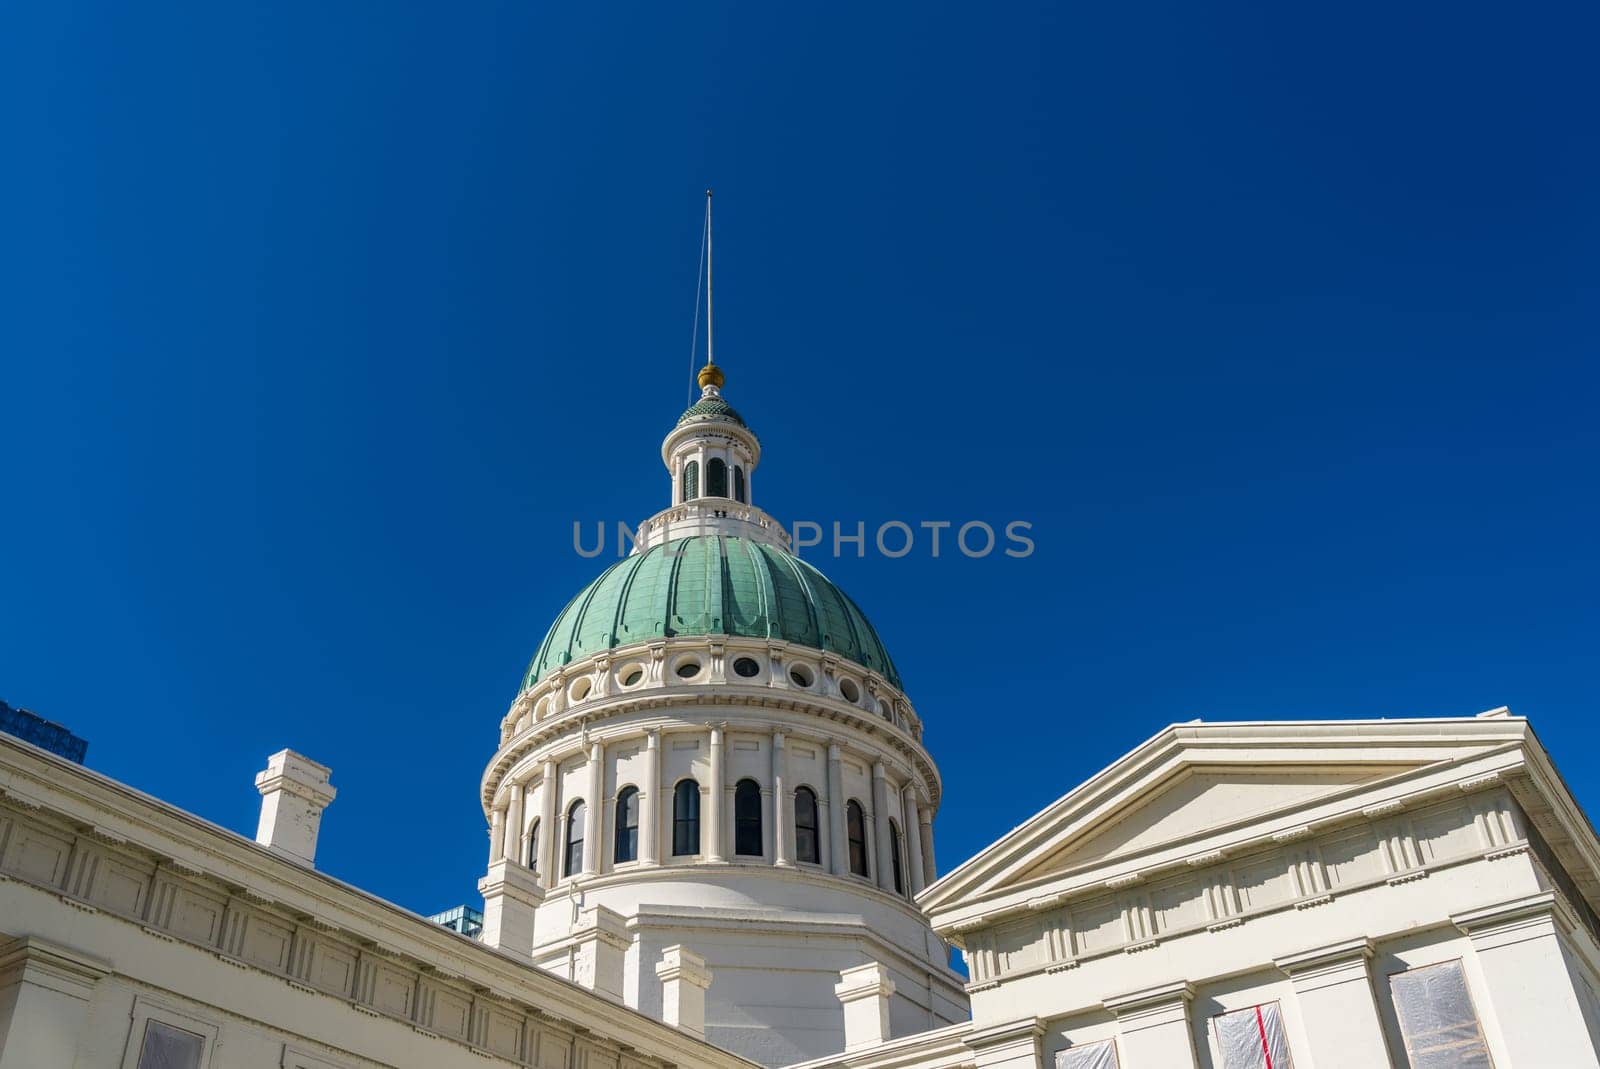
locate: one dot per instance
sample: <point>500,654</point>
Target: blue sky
<point>320,325</point>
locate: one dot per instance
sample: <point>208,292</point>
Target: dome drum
<point>717,671</point>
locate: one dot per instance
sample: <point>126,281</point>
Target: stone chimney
<point>294,792</point>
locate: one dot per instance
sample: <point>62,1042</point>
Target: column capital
<point>879,771</point>
<point>1342,953</point>
<point>833,750</point>
<point>57,967</point>
<point>1152,1007</point>
<point>1515,916</point>
<point>1010,1037</point>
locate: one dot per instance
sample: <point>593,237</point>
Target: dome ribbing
<point>711,585</point>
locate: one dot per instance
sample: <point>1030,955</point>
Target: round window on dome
<point>631,676</point>
<point>801,676</point>
<point>579,689</point>
<point>746,667</point>
<point>848,688</point>
<point>687,668</point>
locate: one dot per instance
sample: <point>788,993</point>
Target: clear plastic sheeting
<point>1088,1056</point>
<point>1253,1038</point>
<point>166,1047</point>
<point>1437,1019</point>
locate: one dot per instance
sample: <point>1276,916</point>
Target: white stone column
<point>1530,990</point>
<point>600,947</point>
<point>294,792</point>
<point>650,801</point>
<point>930,872</point>
<point>1154,1025</point>
<point>549,832</point>
<point>864,992</point>
<point>513,840</point>
<point>880,820</point>
<point>711,826</point>
<point>684,980</point>
<point>1012,1045</point>
<point>838,859</point>
<point>497,834</point>
<point>511,895</point>
<point>594,805</point>
<point>44,1001</point>
<point>913,832</point>
<point>782,805</point>
<point>1333,987</point>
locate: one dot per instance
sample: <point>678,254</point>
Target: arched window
<point>747,818</point>
<point>895,854</point>
<point>533,846</point>
<point>716,478</point>
<point>686,819</point>
<point>807,847</point>
<point>856,831</point>
<point>577,814</point>
<point>738,484</point>
<point>627,845</point>
<point>691,480</point>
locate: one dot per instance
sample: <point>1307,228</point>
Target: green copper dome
<point>711,408</point>
<point>710,585</point>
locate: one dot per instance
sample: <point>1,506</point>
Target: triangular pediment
<point>1199,787</point>
<point>1193,802</point>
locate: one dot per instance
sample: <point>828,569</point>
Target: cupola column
<point>912,823</point>
<point>836,803</point>
<point>713,823</point>
<point>880,817</point>
<point>549,834</point>
<point>595,804</point>
<point>782,807</point>
<point>513,847</point>
<point>650,803</point>
<point>497,833</point>
<point>930,871</point>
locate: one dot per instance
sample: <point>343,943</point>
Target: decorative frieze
<point>1217,890</point>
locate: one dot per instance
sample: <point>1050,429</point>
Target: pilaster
<point>1518,946</point>
<point>44,1000</point>
<point>1013,1045</point>
<point>1154,1025</point>
<point>1333,988</point>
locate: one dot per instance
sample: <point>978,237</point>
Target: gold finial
<point>711,375</point>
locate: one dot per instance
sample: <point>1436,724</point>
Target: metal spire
<point>709,361</point>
